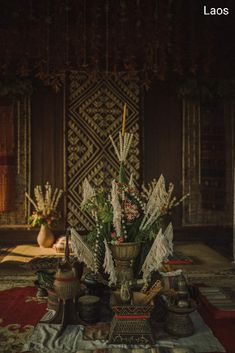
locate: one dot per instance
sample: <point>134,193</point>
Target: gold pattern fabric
<point>95,108</point>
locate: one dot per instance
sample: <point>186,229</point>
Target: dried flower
<point>45,205</point>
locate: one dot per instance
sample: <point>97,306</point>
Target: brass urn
<point>124,255</point>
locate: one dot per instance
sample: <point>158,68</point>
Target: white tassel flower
<point>109,265</point>
<point>117,210</point>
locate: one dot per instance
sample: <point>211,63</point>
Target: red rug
<point>223,328</point>
<point>178,258</point>
<point>20,311</point>
<point>214,302</point>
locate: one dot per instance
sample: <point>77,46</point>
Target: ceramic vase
<point>45,237</point>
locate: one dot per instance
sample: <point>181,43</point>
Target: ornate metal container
<point>125,251</point>
<point>178,322</point>
<point>124,255</point>
<point>89,308</point>
<point>130,324</point>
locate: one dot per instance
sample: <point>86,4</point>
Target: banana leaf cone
<point>122,175</point>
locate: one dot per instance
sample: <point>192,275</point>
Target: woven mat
<point>26,253</point>
<point>32,257</point>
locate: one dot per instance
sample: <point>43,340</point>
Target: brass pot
<point>124,255</point>
<point>125,251</point>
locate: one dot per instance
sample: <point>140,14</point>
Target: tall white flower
<point>117,210</point>
<point>47,202</point>
<point>124,146</point>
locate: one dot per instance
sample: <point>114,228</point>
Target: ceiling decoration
<point>47,38</point>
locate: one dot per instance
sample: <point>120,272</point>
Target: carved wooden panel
<point>207,162</point>
<point>213,157</point>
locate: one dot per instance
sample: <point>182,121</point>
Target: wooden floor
<point>204,258</point>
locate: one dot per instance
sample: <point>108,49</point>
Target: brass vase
<point>45,237</point>
<point>124,255</point>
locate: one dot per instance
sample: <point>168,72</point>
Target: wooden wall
<point>162,145</point>
<point>47,137</point>
<point>162,136</point>
<point>47,142</point>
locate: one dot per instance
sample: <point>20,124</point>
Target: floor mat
<point>4,251</point>
<point>26,253</point>
<point>223,328</point>
<point>16,281</point>
<point>220,301</point>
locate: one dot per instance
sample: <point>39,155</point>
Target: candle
<point>124,120</point>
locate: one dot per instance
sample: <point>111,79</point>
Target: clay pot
<point>45,237</point>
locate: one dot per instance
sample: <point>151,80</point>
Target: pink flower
<point>113,235</point>
<point>130,210</point>
<point>121,240</point>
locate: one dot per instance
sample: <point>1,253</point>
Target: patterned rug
<point>20,311</point>
<point>14,280</point>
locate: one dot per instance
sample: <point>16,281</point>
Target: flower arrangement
<point>45,205</point>
<point>123,213</point>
